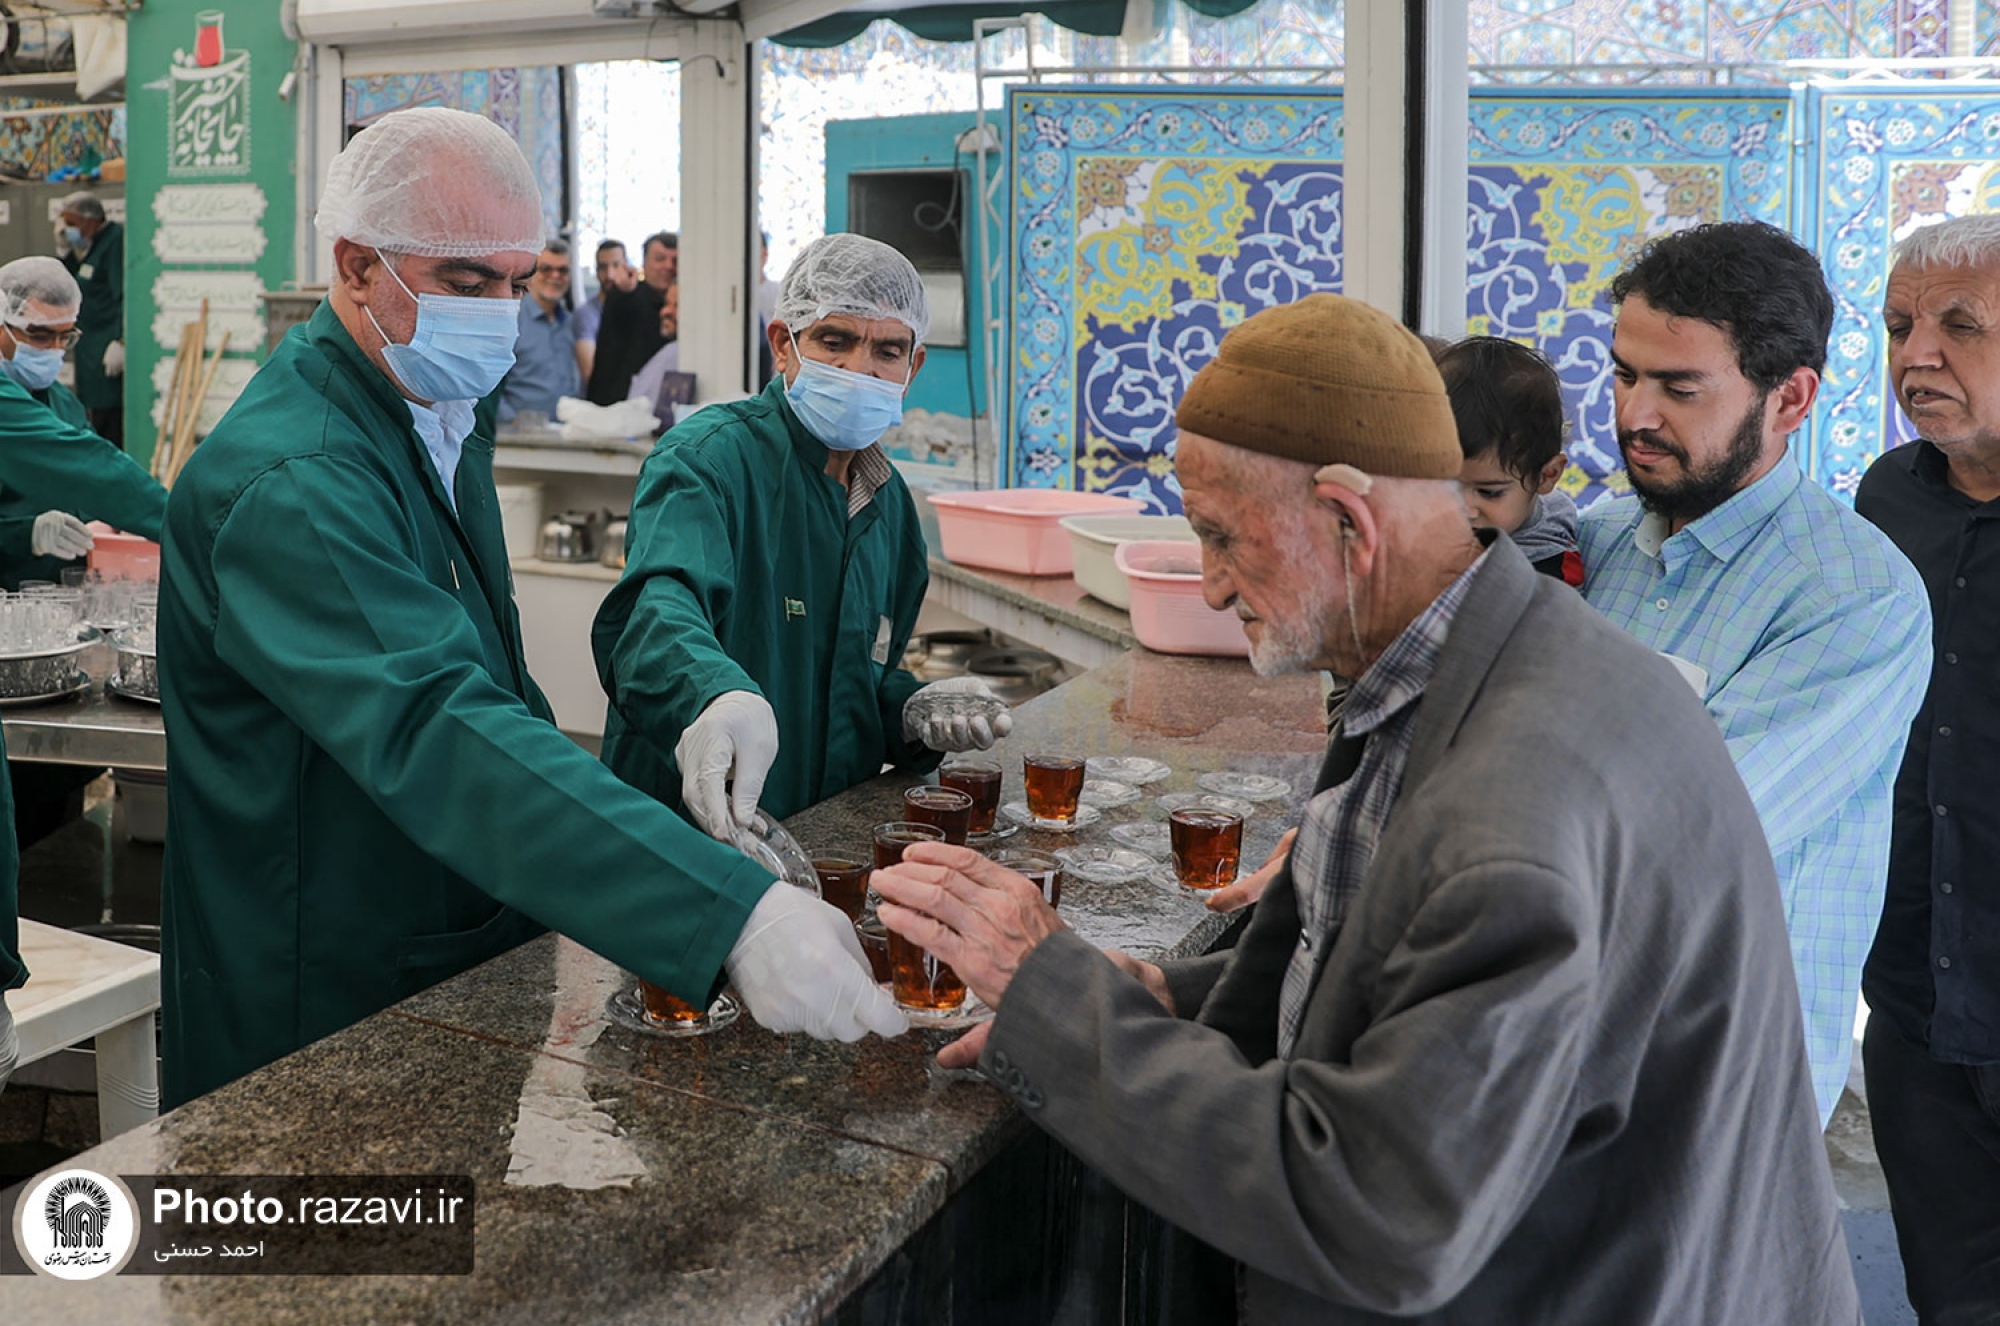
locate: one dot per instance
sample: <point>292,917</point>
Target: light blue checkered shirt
<point>1815,633</point>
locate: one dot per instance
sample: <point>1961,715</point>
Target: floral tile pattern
<point>1564,191</point>
<point>1146,224</point>
<point>527,103</point>
<point>36,145</point>
<point>1888,163</point>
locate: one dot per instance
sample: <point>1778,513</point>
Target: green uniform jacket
<point>48,460</point>
<point>743,573</point>
<point>365,791</point>
<point>101,273</point>
<point>100,482</point>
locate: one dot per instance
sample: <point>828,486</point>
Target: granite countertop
<point>738,1177</point>
<point>1059,598</point>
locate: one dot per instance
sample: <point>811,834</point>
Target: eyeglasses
<point>47,338</point>
<point>552,271</point>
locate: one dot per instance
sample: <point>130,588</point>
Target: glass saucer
<point>627,1008</point>
<point>1174,801</point>
<point>1017,811</point>
<point>1244,786</point>
<point>1134,769</point>
<point>1164,877</point>
<point>772,846</point>
<point>1107,792</point>
<point>1148,836</point>
<point>968,1014</point>
<point>1104,865</point>
<point>926,705</point>
<point>1000,831</point>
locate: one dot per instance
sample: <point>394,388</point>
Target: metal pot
<point>572,536</point>
<point>613,553</point>
<point>939,654</point>
<point>1017,674</point>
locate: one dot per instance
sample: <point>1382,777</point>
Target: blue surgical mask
<point>844,409</point>
<point>33,368</point>
<point>73,237</point>
<point>462,347</point>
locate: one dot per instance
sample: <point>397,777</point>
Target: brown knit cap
<point>1327,380</point>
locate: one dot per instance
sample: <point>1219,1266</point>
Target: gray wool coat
<point>1552,1069</point>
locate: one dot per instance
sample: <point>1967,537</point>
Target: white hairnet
<point>41,281</point>
<point>433,183</point>
<point>857,276</point>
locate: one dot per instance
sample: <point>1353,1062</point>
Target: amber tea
<point>919,981</point>
<point>945,809</point>
<point>1054,784</point>
<point>843,882</point>
<point>980,780</point>
<point>1207,846</point>
<point>892,838</point>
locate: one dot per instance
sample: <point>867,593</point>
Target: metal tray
<point>32,678</point>
<point>81,685</point>
<point>117,687</point>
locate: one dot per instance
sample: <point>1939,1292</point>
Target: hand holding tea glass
<point>983,919</point>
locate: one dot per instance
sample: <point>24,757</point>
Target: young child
<point>1508,405</point>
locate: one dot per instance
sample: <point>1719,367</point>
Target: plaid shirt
<point>1815,633</point>
<point>1342,824</point>
<point>870,471</point>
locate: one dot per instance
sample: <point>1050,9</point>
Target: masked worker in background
<point>774,568</point>
<point>368,793</point>
<point>43,428</point>
<point>93,248</point>
<point>57,474</point>
<point>53,472</point>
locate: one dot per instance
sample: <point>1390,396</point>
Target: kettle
<point>613,552</point>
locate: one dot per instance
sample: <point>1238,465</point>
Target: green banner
<point>209,194</point>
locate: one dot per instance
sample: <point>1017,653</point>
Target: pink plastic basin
<point>118,556</point>
<point>1168,614</point>
<point>1017,529</point>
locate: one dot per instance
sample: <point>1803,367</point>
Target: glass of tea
<point>945,809</point>
<point>980,780</point>
<point>1042,870</point>
<point>875,943</point>
<point>843,882</point>
<point>892,838</point>
<point>1207,846</point>
<point>651,1009</point>
<point>1054,784</point>
<point>924,987</point>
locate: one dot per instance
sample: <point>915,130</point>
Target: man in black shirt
<point>630,332</point>
<point>1932,1048</point>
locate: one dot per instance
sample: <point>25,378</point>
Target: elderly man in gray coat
<point>1514,1035</point>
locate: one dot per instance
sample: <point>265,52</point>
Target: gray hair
<point>1962,241</point>
<point>83,203</point>
<point>559,247</point>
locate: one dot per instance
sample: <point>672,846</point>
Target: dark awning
<point>952,20</point>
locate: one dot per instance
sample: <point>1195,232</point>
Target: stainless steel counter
<point>1048,612</point>
<point>98,731</point>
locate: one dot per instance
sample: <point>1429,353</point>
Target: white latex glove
<point>59,534</point>
<point>799,967</point>
<point>114,360</point>
<point>735,741</point>
<point>954,732</point>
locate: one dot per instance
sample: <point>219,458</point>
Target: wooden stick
<point>170,406</point>
<point>184,448</point>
